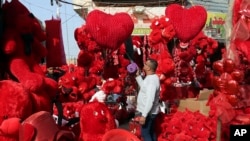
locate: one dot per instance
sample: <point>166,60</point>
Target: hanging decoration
<point>187,22</point>
<point>104,28</point>
<point>54,43</point>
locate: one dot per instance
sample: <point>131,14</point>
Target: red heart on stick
<point>109,31</point>
<point>187,22</point>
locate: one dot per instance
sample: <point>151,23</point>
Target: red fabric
<point>54,43</point>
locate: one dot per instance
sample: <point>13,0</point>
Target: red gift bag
<point>54,44</point>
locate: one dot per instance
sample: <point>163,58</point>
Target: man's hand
<point>142,120</point>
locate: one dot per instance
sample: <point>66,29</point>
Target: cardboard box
<point>204,94</point>
<point>193,104</point>
<point>196,104</point>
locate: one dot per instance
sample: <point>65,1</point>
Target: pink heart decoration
<point>187,22</point>
<point>109,31</point>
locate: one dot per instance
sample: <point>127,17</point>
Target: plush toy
<point>184,126</point>
<point>88,47</point>
<point>88,86</point>
<point>102,27</point>
<point>22,49</point>
<point>184,74</point>
<point>112,59</point>
<point>186,28</point>
<point>69,116</point>
<point>205,48</point>
<point>95,121</point>
<point>15,105</point>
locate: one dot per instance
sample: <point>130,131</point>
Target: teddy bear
<point>184,77</point>
<point>95,120</point>
<point>22,49</point>
<point>74,85</point>
<point>15,106</point>
<point>90,58</point>
<point>205,48</point>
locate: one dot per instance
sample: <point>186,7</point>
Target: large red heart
<point>187,22</point>
<point>109,31</point>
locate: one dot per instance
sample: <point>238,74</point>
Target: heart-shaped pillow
<point>187,22</point>
<point>109,31</point>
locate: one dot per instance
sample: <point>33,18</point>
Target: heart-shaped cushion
<point>187,22</point>
<point>109,31</point>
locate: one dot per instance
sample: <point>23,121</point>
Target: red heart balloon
<point>218,67</point>
<point>228,65</point>
<point>109,31</point>
<point>232,87</point>
<point>237,75</point>
<point>226,76</point>
<point>232,99</point>
<point>219,84</point>
<point>187,22</point>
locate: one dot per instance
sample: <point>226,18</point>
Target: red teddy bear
<point>23,50</point>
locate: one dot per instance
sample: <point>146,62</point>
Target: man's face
<point>146,66</point>
<point>50,70</point>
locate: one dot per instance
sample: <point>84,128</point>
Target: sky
<point>70,20</point>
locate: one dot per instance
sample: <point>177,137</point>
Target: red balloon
<point>226,76</point>
<point>219,84</point>
<point>232,87</point>
<point>228,65</point>
<point>218,67</point>
<point>237,75</point>
<point>233,100</point>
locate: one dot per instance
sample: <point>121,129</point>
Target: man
<point>148,99</point>
<point>55,73</point>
